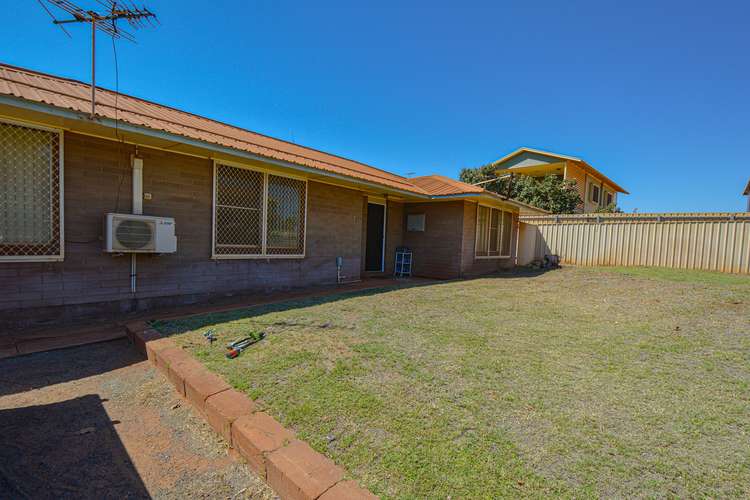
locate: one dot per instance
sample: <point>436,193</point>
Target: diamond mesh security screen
<point>239,211</point>
<point>286,216</point>
<point>29,193</point>
<point>247,202</point>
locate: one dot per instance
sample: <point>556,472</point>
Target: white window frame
<point>61,198</point>
<point>264,218</point>
<point>500,233</point>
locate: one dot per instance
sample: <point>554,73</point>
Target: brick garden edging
<point>290,466</point>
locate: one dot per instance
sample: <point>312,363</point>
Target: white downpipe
<point>137,210</point>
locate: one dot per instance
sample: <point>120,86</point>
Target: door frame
<point>379,201</point>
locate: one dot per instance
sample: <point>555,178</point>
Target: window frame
<point>264,214</point>
<point>61,196</point>
<point>609,193</point>
<point>592,187</point>
<point>500,233</point>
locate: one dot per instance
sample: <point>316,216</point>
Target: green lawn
<point>576,382</point>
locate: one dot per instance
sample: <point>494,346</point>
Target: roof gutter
<point>168,136</point>
<point>488,194</point>
<point>175,138</point>
<point>595,173</point>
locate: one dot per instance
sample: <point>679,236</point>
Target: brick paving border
<point>290,466</point>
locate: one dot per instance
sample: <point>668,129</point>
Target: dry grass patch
<point>575,382</point>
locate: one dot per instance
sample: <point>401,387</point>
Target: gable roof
<point>537,151</point>
<point>581,162</point>
<point>76,96</point>
<point>747,188</point>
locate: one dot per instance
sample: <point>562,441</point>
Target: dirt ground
<point>98,422</point>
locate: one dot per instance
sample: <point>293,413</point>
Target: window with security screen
<point>30,194</point>
<point>285,225</point>
<point>239,211</point>
<point>258,214</point>
<point>494,233</point>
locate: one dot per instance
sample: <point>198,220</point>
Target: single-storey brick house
<point>251,213</point>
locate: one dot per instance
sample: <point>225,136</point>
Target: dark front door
<point>375,237</point>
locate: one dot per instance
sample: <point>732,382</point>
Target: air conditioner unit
<point>139,234</point>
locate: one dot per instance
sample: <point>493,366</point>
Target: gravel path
<point>98,422</point>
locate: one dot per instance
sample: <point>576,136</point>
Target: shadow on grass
<point>68,449</point>
<point>177,326</point>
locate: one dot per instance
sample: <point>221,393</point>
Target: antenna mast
<point>106,22</point>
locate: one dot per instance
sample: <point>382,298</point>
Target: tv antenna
<point>105,21</point>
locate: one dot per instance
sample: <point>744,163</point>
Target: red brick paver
<point>202,384</point>
<point>144,341</point>
<point>181,370</point>
<point>153,343</point>
<point>290,466</point>
<point>254,436</point>
<point>170,356</point>
<point>347,490</point>
<point>224,408</point>
<point>297,472</point>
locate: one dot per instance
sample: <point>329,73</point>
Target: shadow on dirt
<point>68,449</point>
<point>25,373</point>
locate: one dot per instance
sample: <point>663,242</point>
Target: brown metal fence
<point>706,241</point>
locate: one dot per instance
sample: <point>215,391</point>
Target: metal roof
<point>68,94</point>
<point>76,96</point>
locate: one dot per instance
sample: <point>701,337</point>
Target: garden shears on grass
<point>236,347</point>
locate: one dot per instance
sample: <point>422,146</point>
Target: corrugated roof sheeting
<point>73,95</point>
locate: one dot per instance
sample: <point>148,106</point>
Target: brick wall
<point>437,250</point>
<point>394,234</point>
<point>98,180</point>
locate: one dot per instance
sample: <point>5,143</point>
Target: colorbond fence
<point>707,241</point>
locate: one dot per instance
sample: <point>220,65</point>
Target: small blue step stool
<point>402,269</point>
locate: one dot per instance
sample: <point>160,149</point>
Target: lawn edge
<point>288,465</point>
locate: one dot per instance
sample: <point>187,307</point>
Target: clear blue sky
<point>654,94</point>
